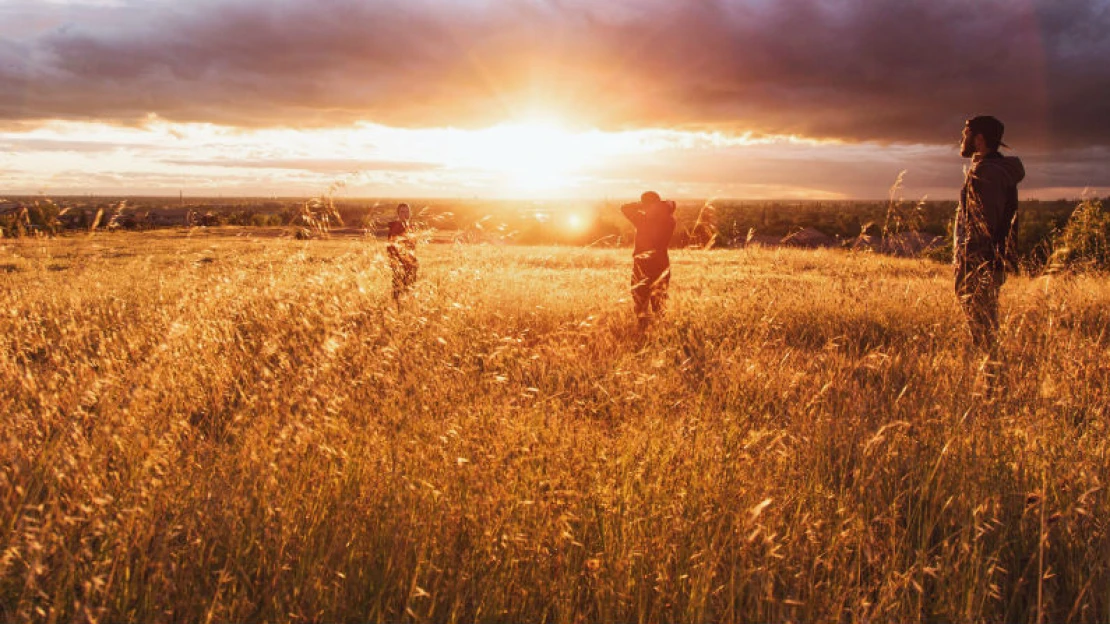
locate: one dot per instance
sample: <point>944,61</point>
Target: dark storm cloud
<point>888,71</point>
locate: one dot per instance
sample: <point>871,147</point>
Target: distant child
<point>402,251</point>
<point>651,265</point>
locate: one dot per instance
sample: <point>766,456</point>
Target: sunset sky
<point>546,98</point>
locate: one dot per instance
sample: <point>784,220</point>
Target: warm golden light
<point>532,157</point>
<point>538,157</point>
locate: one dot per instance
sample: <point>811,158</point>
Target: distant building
<point>760,240</point>
<point>809,238</point>
<point>905,244</point>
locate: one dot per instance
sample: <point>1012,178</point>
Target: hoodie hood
<point>1007,169</point>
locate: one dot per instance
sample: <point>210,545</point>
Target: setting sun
<point>531,157</point>
<point>536,156</point>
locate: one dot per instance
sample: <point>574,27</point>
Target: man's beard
<point>967,150</point>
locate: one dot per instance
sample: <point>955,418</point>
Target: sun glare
<point>534,158</point>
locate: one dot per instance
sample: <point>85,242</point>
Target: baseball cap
<point>990,127</point>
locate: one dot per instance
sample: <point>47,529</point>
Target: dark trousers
<point>649,292</point>
<point>978,282</point>
<point>404,265</point>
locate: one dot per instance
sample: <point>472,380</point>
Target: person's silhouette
<point>651,265</point>
<point>402,252</point>
<point>985,231</point>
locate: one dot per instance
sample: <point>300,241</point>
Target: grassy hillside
<point>228,428</point>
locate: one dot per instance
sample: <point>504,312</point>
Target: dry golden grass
<point>227,429</point>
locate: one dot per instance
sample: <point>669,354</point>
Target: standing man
<point>402,252</point>
<point>651,265</point>
<point>985,232</point>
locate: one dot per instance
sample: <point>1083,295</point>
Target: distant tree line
<point>1045,227</point>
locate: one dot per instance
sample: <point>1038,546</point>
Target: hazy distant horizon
<point>533,200</point>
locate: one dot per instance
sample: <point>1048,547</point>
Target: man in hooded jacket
<point>986,226</point>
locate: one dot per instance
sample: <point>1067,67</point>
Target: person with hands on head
<point>654,221</point>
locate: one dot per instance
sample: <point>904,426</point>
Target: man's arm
<point>633,213</point>
<point>993,189</point>
<point>1010,248</point>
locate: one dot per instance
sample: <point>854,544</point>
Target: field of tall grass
<point>227,428</point>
